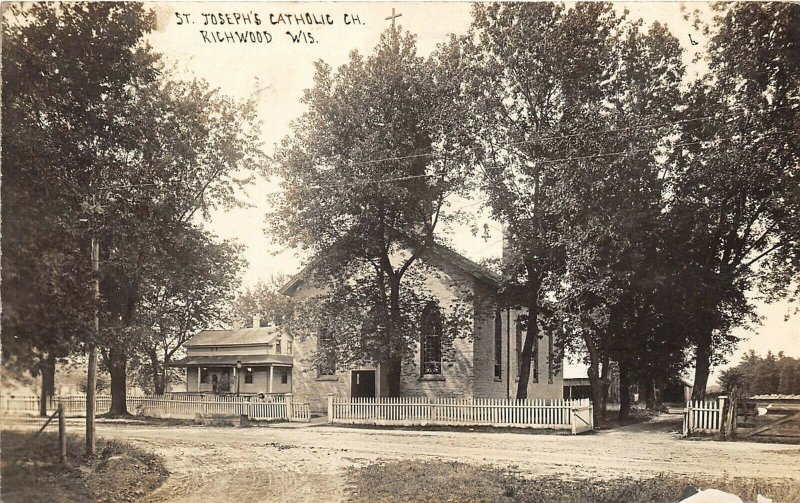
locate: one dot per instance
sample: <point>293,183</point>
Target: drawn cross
<point>393,17</point>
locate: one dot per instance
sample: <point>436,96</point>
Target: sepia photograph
<point>398,252</point>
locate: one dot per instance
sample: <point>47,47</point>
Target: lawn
<point>408,481</point>
<point>31,471</point>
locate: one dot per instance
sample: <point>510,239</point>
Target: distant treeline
<point>765,375</point>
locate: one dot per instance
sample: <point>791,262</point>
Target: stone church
<point>485,365</point>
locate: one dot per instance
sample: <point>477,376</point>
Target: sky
<point>275,69</point>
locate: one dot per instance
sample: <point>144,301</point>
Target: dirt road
<point>306,464</point>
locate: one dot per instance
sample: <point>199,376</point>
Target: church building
<point>484,365</point>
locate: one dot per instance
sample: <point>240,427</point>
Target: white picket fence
<point>703,416</point>
<point>272,407</point>
<point>574,415</point>
<point>72,404</point>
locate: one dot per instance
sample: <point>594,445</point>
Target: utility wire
<point>577,134</point>
<point>561,159</point>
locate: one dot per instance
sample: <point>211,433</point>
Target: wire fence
<point>41,430</point>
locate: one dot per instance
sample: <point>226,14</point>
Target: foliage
<point>264,301</point>
<point>381,117</point>
<point>569,164</point>
<point>60,114</point>
<point>192,290</point>
<point>764,375</point>
<point>351,314</point>
<point>734,203</point>
<point>103,143</point>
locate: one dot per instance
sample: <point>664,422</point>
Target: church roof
<point>240,337</point>
<point>433,252</point>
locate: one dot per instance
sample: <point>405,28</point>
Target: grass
<point>408,481</point>
<point>31,471</point>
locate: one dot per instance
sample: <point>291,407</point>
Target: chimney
<point>236,324</point>
<point>256,321</point>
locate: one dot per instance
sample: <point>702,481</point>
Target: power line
<point>561,159</point>
<point>577,134</point>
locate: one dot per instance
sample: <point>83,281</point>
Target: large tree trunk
<point>624,392</point>
<point>595,381</point>
<point>648,392</point>
<point>394,363</point>
<point>530,337</point>
<point>605,384</point>
<point>596,391</point>
<point>527,351</point>
<point>48,372</point>
<point>702,362</point>
<point>157,374</point>
<point>117,367</point>
<point>165,371</point>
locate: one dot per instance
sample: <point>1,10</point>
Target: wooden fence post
<point>572,423</point>
<point>330,407</point>
<point>62,433</point>
<point>721,408</point>
<point>289,407</point>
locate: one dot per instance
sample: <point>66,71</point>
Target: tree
<point>366,173</point>
<point>102,144</point>
<point>734,203</point>
<point>67,70</point>
<point>264,301</point>
<point>191,288</point>
<point>521,93</point>
<point>569,164</point>
<point>765,375</point>
<point>195,148</point>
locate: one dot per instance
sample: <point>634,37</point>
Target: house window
<point>248,375</point>
<point>204,375</point>
<point>326,349</point>
<point>284,377</point>
<point>498,344</point>
<point>278,347</point>
<point>431,340</point>
<point>288,347</point>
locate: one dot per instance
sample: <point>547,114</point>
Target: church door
<point>362,384</point>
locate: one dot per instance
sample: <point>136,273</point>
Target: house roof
<point>231,360</point>
<point>240,337</point>
<point>432,252</point>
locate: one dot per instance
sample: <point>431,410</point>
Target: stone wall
<point>448,285</point>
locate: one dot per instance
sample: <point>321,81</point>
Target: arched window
<point>431,339</point>
<point>326,347</point>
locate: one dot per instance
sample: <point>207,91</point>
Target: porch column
<point>270,377</point>
<point>199,371</point>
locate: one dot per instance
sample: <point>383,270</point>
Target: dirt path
<point>307,464</point>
